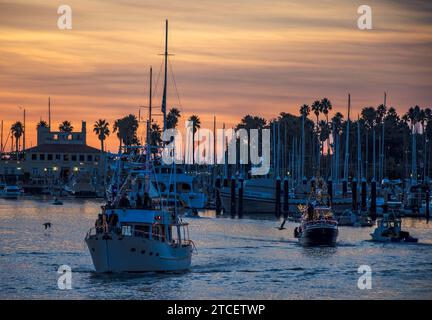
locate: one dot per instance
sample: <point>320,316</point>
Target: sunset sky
<point>232,57</point>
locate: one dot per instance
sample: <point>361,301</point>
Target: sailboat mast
<point>383,144</point>
<point>149,120</point>
<point>347,140</point>
<point>49,112</point>
<point>24,129</point>
<point>359,166</point>
<point>1,146</point>
<point>164,97</point>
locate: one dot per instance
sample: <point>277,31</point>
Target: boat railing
<point>145,234</point>
<point>319,221</point>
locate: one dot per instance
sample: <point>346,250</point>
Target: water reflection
<point>237,258</point>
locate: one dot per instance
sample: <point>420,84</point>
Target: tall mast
<point>49,112</point>
<point>359,165</point>
<point>347,140</point>
<point>24,129</point>
<point>149,120</point>
<point>214,140</point>
<point>382,147</point>
<point>302,173</point>
<point>164,97</point>
<point>1,146</point>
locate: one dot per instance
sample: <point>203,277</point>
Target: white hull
<point>136,254</point>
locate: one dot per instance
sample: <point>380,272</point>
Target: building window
<point>89,158</point>
<point>81,157</point>
<point>97,158</point>
<point>55,137</point>
<point>69,137</point>
<point>50,157</point>
<point>65,157</point>
<point>74,157</point>
<point>35,171</point>
<point>34,156</point>
<point>42,156</point>
<point>58,157</point>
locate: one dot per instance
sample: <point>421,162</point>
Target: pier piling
<point>240,197</point>
<point>278,197</point>
<point>233,195</point>
<point>330,190</point>
<point>373,200</point>
<point>217,196</point>
<point>354,194</point>
<point>344,188</point>
<point>427,204</point>
<point>285,198</point>
<point>363,195</point>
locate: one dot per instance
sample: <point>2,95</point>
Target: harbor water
<point>246,258</point>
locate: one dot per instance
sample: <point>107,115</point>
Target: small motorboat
<point>389,230</point>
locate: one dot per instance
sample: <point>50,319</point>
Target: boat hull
<point>319,236</point>
<point>116,253</point>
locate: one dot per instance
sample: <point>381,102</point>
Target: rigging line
<point>157,80</point>
<point>175,84</point>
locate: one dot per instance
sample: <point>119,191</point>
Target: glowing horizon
<point>232,58</point>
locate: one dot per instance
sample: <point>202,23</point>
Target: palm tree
<point>196,124</point>
<point>337,122</point>
<point>336,128</point>
<point>249,122</point>
<point>304,112</point>
<point>17,131</point>
<point>172,118</point>
<point>326,107</point>
<point>316,108</point>
<point>324,134</point>
<point>42,124</point>
<point>66,126</point>
<point>101,129</point>
<point>126,129</point>
<point>155,136</point>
